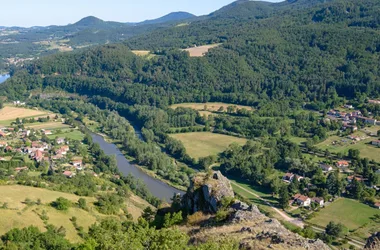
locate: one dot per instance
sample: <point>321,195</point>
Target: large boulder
<point>206,192</point>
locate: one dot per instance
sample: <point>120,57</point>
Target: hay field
<point>11,113</point>
<point>201,50</point>
<point>202,144</point>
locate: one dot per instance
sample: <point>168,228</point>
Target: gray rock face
<point>206,192</point>
<point>373,242</point>
<point>245,223</point>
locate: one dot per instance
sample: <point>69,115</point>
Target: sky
<point>27,13</point>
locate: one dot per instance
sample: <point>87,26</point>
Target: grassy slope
<point>20,215</point>
<point>201,144</point>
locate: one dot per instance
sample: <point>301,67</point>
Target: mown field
<point>19,215</point>
<point>201,50</point>
<point>47,125</point>
<point>73,134</point>
<point>9,114</point>
<point>202,144</point>
<point>351,213</point>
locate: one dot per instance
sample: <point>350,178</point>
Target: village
<point>41,149</point>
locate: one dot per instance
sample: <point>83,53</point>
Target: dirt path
<point>286,217</point>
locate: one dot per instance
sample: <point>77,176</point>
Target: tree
<point>354,153</point>
<point>333,183</point>
<point>82,203</point>
<point>61,204</point>
<point>148,214</point>
<point>334,229</point>
<point>284,197</point>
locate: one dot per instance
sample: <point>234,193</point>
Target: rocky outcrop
<point>373,242</point>
<point>245,224</point>
<point>206,192</point>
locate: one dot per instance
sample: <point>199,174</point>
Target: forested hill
<point>304,51</point>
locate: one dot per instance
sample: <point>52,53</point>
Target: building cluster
<point>40,151</point>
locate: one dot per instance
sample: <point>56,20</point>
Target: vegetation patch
<point>202,144</point>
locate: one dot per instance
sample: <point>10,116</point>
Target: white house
<point>302,200</point>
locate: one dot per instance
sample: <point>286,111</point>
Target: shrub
<point>61,204</point>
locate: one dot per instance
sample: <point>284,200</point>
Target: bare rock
<point>373,242</point>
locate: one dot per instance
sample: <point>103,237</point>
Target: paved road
<point>297,222</point>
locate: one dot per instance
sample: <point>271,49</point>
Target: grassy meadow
<point>202,144</point>
<point>353,214</point>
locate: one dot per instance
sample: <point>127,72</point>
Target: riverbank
<point>143,169</point>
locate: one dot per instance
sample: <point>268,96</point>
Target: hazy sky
<point>28,13</point>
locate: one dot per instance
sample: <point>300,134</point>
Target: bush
<point>61,204</point>
<point>221,215</point>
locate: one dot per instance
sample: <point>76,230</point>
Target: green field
<point>351,213</point>
<point>201,144</point>
<point>74,135</point>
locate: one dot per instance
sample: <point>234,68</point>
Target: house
<point>9,149</point>
<point>302,200</point>
<point>18,170</point>
<point>65,149</point>
<point>348,106</point>
<point>48,132</point>
<point>374,101</point>
<point>68,174</point>
<point>377,205</point>
<point>3,144</point>
<point>78,164</point>
<point>376,143</point>
<point>342,164</point>
<point>318,200</point>
<point>288,177</point>
<point>326,167</point>
<point>57,157</point>
<point>2,134</point>
<point>367,120</point>
<point>39,155</point>
<point>60,141</point>
<point>352,177</point>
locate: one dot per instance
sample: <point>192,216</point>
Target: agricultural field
<point>351,213</point>
<point>9,114</point>
<point>202,144</point>
<point>210,106</point>
<point>19,215</point>
<point>47,125</point>
<point>201,50</point>
<point>73,134</point>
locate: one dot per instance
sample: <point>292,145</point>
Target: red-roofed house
<point>68,174</point>
<point>288,177</point>
<point>3,144</point>
<point>38,156</point>
<point>342,164</point>
<point>2,134</point>
<point>302,200</point>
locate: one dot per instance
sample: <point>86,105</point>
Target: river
<point>155,186</point>
<point>3,78</point>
